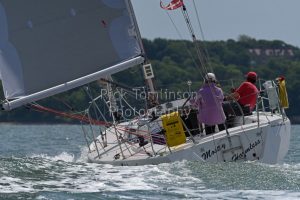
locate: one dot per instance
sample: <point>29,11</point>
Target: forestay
<point>50,46</point>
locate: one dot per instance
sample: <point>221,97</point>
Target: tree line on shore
<point>174,63</point>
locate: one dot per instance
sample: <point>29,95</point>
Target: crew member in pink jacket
<point>209,103</point>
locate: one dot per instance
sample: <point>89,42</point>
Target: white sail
<point>47,44</point>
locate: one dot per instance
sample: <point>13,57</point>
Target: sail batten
<point>46,43</point>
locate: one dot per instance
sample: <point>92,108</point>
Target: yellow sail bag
<point>174,131</point>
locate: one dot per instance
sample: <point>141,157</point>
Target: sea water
<point>49,162</point>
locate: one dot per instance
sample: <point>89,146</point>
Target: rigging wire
<point>185,45</point>
<point>202,58</point>
<point>192,33</point>
<point>203,36</point>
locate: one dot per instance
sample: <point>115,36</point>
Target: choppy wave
<point>180,180</point>
<point>61,171</point>
<point>64,156</point>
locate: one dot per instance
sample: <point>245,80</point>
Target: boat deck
<point>130,151</point>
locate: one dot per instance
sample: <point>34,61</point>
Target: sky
<point>223,19</point>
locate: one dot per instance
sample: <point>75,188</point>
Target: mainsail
<point>50,46</point>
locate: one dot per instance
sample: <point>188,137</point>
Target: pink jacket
<point>209,103</point>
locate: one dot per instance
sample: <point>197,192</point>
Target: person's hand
<point>236,96</point>
<point>262,92</point>
<point>232,96</point>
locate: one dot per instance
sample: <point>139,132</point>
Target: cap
<point>210,77</point>
<point>252,75</point>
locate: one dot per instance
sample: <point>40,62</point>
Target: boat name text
<point>242,155</point>
<point>211,152</point>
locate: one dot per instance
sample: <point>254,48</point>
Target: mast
<point>152,99</point>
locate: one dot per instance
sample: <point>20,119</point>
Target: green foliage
<point>174,63</point>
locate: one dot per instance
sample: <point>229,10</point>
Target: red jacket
<point>248,94</point>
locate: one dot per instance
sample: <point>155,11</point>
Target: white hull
<point>265,142</point>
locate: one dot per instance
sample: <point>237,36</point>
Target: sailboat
<point>49,47</point>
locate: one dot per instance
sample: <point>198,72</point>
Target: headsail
<point>51,46</point>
